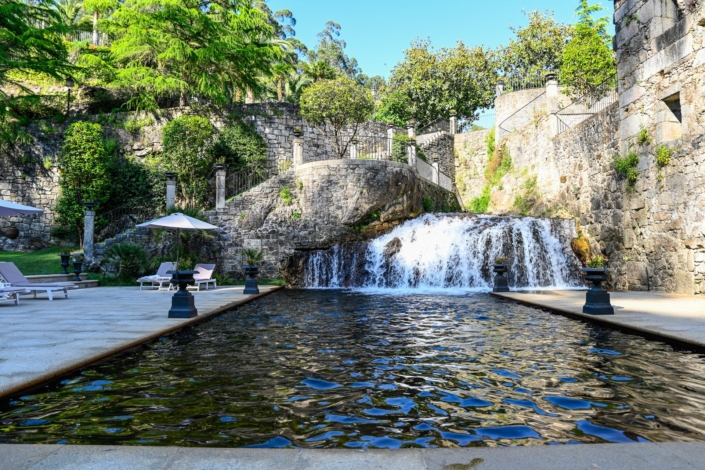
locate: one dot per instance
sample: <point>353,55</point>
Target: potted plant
<point>298,131</point>
<point>65,256</point>
<point>501,283</point>
<point>12,232</point>
<point>597,300</point>
<point>78,259</point>
<point>253,260</point>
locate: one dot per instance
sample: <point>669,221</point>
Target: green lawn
<point>37,262</point>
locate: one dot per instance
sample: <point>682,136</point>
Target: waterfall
<point>452,252</point>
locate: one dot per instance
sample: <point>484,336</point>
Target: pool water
<point>335,368</point>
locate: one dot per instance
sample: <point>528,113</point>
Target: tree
<point>84,169</point>
<point>589,61</point>
<point>317,71</point>
<point>436,82</point>
<point>337,108</point>
<point>331,50</point>
<point>190,48</point>
<point>394,109</point>
<point>98,7</point>
<point>537,49</point>
<point>186,142</point>
<point>72,14</point>
<point>240,147</point>
<point>26,47</point>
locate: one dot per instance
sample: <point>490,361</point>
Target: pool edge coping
<point>605,320</point>
<point>48,377</point>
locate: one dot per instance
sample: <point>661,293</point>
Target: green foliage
<point>186,141</point>
<point>394,109</point>
<point>663,156</point>
<point>435,82</point>
<point>252,257</point>
<point>128,259</point>
<point>428,204</point>
<point>490,141</point>
<point>330,51</point>
<point>85,169</point>
<point>296,215</point>
<point>498,166</point>
<point>589,59</point>
<point>240,147</point>
<point>400,149</point>
<point>285,195</point>
<point>538,48</point>
<point>524,202</point>
<point>47,163</point>
<point>335,105</point>
<point>184,47</point>
<point>134,125</point>
<point>300,185</point>
<point>626,166</point>
<point>597,262</point>
<point>30,42</point>
<point>643,138</point>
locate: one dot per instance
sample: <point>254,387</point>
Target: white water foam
<point>439,253</point>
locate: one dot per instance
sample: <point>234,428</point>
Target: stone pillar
<point>88,231</point>
<point>435,172</point>
<point>353,149</point>
<point>411,150</point>
<point>220,174</point>
<point>500,87</point>
<point>298,147</point>
<point>411,129</point>
<point>170,190</point>
<point>390,139</point>
<point>552,102</point>
<point>453,122</point>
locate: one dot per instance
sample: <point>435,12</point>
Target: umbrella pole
<point>178,242</point>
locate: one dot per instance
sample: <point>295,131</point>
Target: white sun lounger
<point>203,276</point>
<point>15,278</point>
<point>158,280</point>
<point>10,294</point>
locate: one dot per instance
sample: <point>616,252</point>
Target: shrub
<point>394,109</point>
<point>427,204</point>
<point>643,138</point>
<point>663,156</point>
<point>626,166</point>
<point>241,147</point>
<point>400,149</point>
<point>128,258</point>
<point>252,257</point>
<point>186,143</point>
<point>85,169</point>
<point>285,195</point>
<point>296,215</point>
<point>597,262</point>
<point>588,61</point>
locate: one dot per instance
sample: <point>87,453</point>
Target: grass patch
<point>45,261</point>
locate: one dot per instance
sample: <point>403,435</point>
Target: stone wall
<point>470,163</point>
<point>331,202</point>
<point>439,149</point>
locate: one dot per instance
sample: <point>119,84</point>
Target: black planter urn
<point>597,300</point>
<point>501,283</point>
<point>251,282</point>
<point>182,303</point>
<point>65,263</point>
<point>77,265</point>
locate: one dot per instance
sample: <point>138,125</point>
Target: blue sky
<point>378,31</point>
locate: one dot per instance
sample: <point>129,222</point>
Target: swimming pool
<point>335,368</point>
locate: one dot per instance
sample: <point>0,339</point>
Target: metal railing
<point>119,220</point>
<point>243,181</point>
<point>589,104</point>
<point>530,81</point>
<point>371,147</point>
<point>439,125</point>
<point>521,116</point>
<point>87,36</point>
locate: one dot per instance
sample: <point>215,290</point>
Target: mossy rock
<point>581,248</point>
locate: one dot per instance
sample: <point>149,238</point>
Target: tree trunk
<point>250,99</point>
<point>96,16</point>
<point>182,100</point>
<point>280,89</point>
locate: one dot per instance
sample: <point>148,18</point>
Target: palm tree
<point>73,15</point>
<point>318,71</point>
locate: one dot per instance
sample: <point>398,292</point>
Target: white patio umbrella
<point>8,208</point>
<point>179,222</point>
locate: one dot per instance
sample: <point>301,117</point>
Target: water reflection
<point>344,369</point>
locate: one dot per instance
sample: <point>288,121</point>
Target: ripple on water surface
<point>346,369</point>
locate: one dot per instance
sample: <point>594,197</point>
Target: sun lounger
<point>15,278</point>
<point>10,294</point>
<point>204,276</point>
<point>160,279</point>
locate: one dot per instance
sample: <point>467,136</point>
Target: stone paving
<point>650,456</point>
<point>674,317</point>
<point>40,340</point>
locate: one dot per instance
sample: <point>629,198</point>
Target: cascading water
<point>442,251</point>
